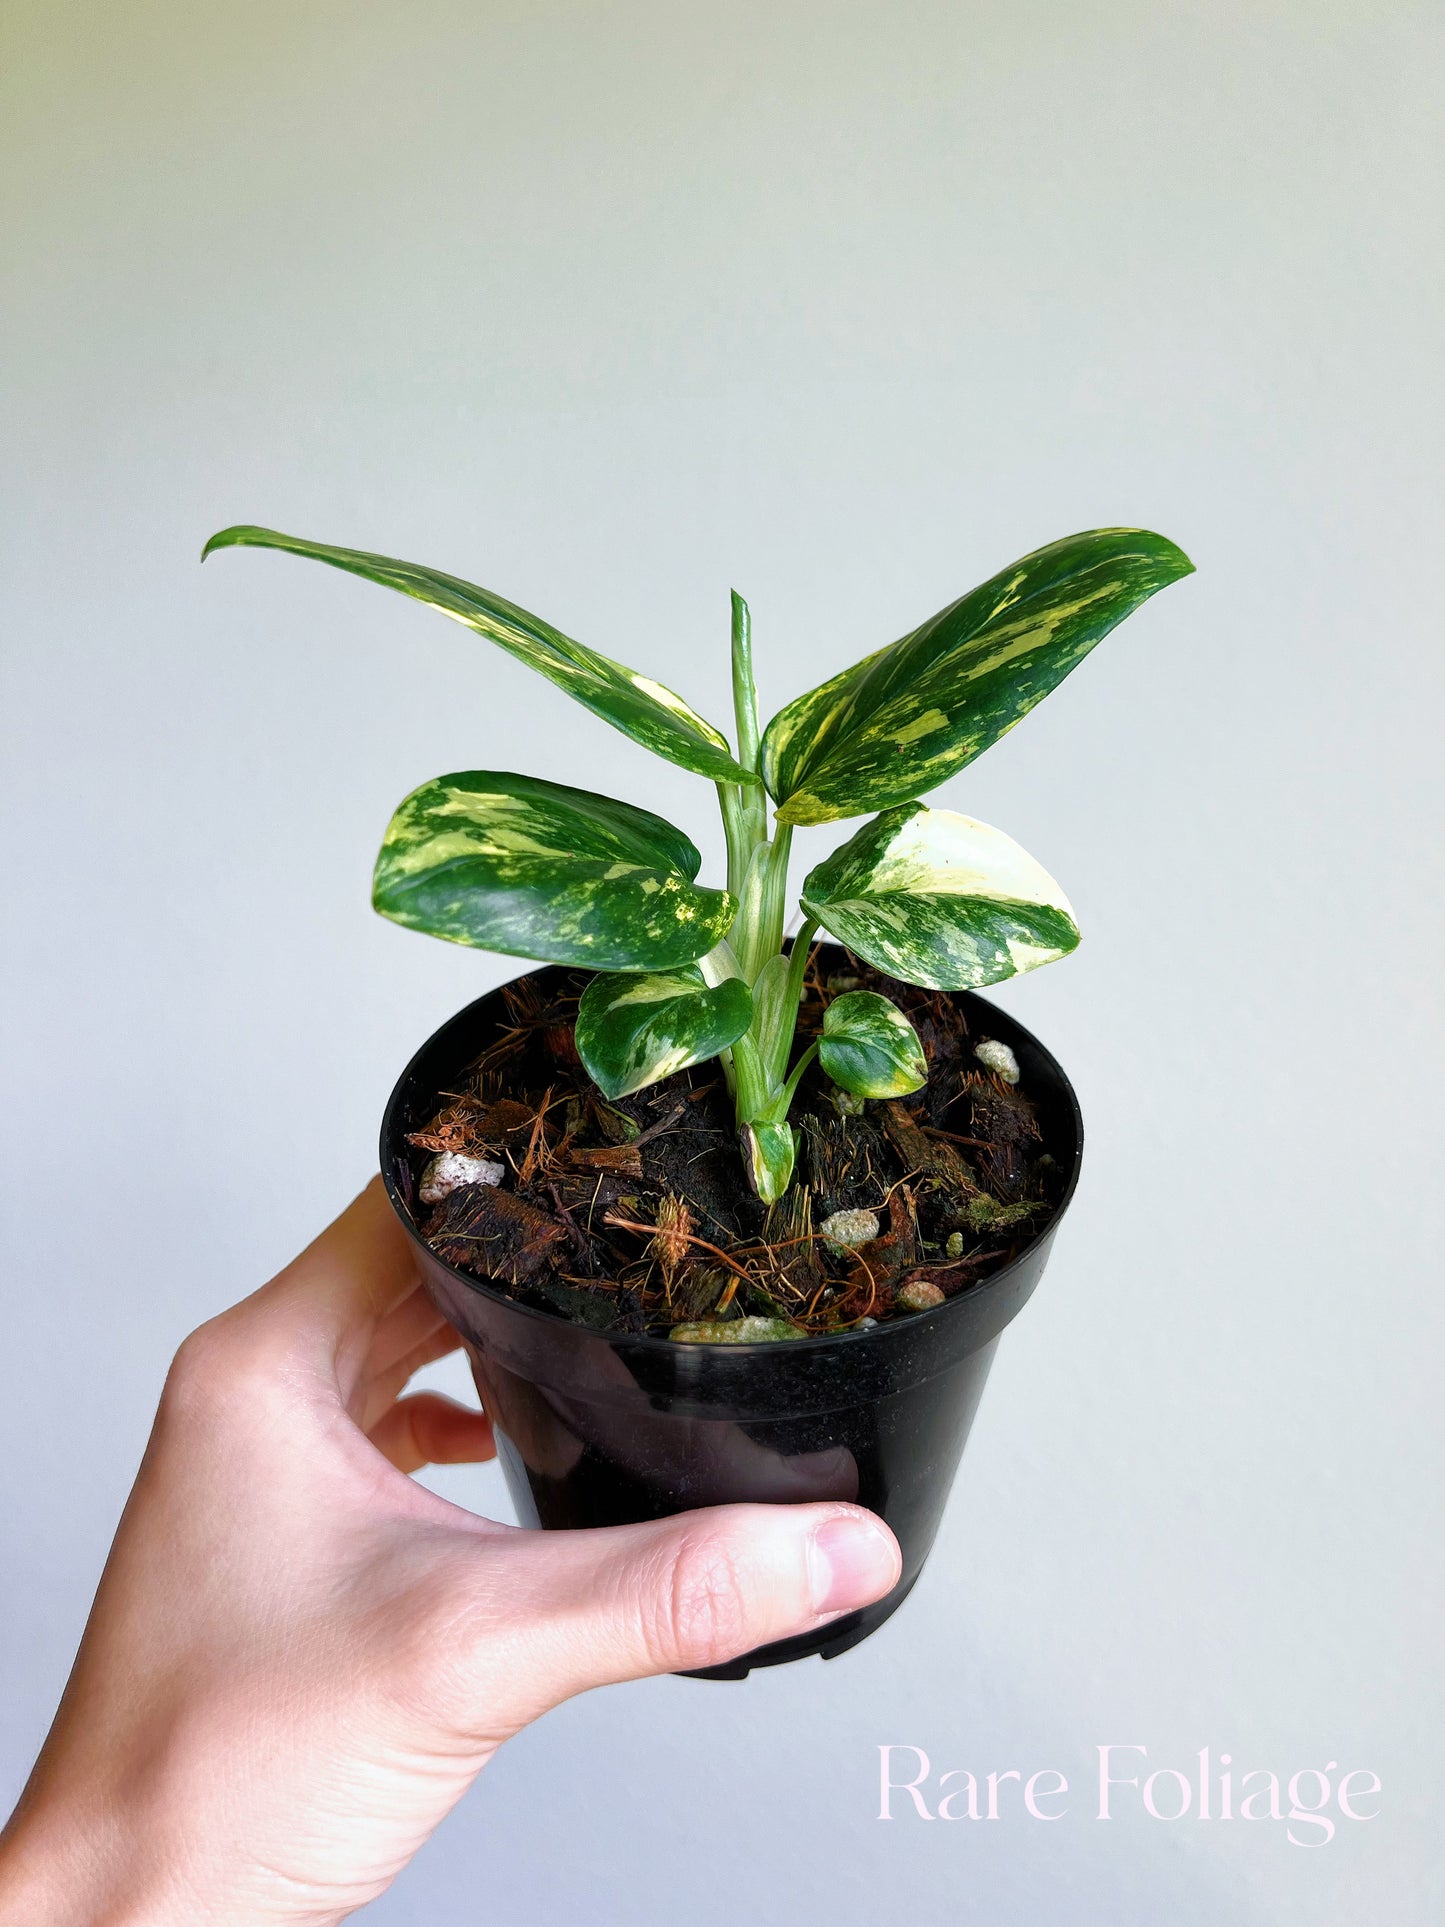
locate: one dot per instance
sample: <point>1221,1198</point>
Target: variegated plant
<point>686,973</point>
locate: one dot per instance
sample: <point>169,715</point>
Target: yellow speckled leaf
<point>910,716</point>
<point>647,711</point>
<point>533,869</point>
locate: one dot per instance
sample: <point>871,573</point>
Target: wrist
<point>78,1870</point>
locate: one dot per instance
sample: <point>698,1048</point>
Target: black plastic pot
<point>595,1428</point>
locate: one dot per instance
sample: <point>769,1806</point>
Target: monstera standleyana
<point>686,973</point>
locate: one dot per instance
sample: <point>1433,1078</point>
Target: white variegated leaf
<point>769,1150</point>
<point>634,1030</point>
<point>869,1047</point>
<point>937,899</point>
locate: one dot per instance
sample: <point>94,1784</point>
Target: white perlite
<point>451,1170</point>
<point>850,1228</point>
<point>998,1057</point>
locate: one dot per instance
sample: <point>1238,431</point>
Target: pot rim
<point>650,1342</point>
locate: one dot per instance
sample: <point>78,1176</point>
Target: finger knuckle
<point>705,1609</point>
<point>198,1368</point>
<point>212,1372</point>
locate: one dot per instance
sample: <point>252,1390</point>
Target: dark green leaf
<point>910,716</point>
<point>936,899</point>
<point>635,1030</point>
<point>534,869</point>
<point>642,709</point>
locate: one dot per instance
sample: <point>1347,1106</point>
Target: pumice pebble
<point>849,1229</point>
<point>919,1295</point>
<point>996,1056</point>
<point>450,1170</point>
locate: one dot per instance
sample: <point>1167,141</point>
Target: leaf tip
<point>230,538</point>
<point>1175,562</point>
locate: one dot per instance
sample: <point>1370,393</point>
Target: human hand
<point>299,1658</point>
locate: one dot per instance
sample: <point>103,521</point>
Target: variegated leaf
<point>635,1030</point>
<point>769,1150</point>
<point>802,731</point>
<point>534,869</point>
<point>647,711</point>
<point>936,899</point>
<point>910,716</point>
<point>869,1047</point>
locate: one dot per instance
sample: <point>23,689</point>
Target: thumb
<point>586,1608</point>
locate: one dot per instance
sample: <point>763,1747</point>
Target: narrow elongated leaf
<point>869,1047</point>
<point>937,899</point>
<point>648,712</point>
<point>535,869</point>
<point>908,717</point>
<point>635,1030</point>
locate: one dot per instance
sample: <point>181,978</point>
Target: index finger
<point>344,1283</point>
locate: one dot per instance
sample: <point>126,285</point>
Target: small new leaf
<point>937,899</point>
<point>768,1150</point>
<point>869,1047</point>
<point>911,715</point>
<point>635,1030</point>
<point>533,869</point>
<point>647,711</point>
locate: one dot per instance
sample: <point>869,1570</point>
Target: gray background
<point>848,306</point>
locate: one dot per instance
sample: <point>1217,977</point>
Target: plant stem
<point>757,931</point>
<point>719,964</point>
<point>782,1104</point>
<point>798,959</point>
<point>775,889</point>
<point>729,796</point>
<point>753,1089</point>
<point>782,1044</point>
<point>756,1064</point>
